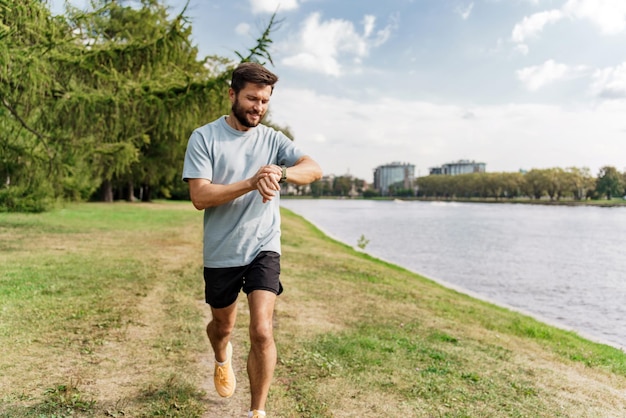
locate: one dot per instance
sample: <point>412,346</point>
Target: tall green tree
<point>103,98</point>
<point>154,89</point>
<point>320,188</point>
<point>609,182</point>
<point>535,183</point>
<point>342,185</point>
<point>511,184</point>
<point>33,158</point>
<point>579,182</point>
<point>142,90</point>
<point>555,182</point>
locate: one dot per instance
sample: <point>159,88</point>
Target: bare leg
<point>220,328</point>
<point>262,358</point>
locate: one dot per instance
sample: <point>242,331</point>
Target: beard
<point>242,115</point>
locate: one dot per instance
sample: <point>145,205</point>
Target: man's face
<point>250,105</point>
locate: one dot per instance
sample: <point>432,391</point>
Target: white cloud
<point>549,72</point>
<point>533,25</point>
<point>466,11</point>
<point>610,82</point>
<point>609,15</point>
<point>242,29</point>
<point>522,49</point>
<point>369,21</point>
<point>321,46</point>
<point>270,6</point>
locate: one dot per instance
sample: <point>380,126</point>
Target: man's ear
<point>231,94</point>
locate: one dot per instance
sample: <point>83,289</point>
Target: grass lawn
<point>101,314</point>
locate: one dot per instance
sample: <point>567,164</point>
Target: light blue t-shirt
<point>235,232</point>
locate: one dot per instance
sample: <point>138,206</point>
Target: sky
<point>516,84</point>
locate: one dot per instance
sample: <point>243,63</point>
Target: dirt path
<point>238,404</point>
<point>123,363</point>
<point>130,362</point>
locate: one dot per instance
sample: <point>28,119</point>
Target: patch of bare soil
<point>238,404</point>
<point>127,364</point>
<point>123,363</point>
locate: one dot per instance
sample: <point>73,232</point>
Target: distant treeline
<point>553,183</point>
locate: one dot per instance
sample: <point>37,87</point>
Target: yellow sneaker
<point>224,376</point>
<point>257,414</point>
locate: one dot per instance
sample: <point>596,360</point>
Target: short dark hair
<point>252,72</point>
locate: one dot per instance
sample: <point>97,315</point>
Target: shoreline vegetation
<point>102,315</point>
<point>546,202</point>
<point>616,202</point>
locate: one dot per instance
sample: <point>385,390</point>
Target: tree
<point>579,182</point>
<point>609,182</point>
<point>104,98</point>
<point>554,180</point>
<point>154,80</point>
<point>141,89</point>
<point>34,160</point>
<point>464,186</point>
<point>535,183</point>
<point>485,184</point>
<point>321,188</point>
<point>261,49</point>
<point>435,185</point>
<point>511,184</point>
<point>342,185</point>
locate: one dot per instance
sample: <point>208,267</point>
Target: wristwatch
<point>284,176</point>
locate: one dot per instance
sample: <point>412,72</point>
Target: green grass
<point>101,315</point>
<point>70,284</point>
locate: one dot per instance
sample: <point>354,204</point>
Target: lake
<point>560,264</point>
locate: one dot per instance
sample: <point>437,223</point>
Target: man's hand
<point>266,181</point>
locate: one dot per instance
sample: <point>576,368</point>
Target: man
<point>234,167</point>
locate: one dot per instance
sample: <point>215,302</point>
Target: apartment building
<point>391,174</point>
<point>459,167</point>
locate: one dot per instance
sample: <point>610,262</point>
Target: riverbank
<point>103,315</point>
<point>617,202</point>
<point>547,202</point>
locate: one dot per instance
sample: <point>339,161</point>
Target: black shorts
<point>222,285</point>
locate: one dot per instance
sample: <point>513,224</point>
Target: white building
<point>459,167</point>
<point>390,174</point>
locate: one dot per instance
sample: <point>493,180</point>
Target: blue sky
<point>516,84</point>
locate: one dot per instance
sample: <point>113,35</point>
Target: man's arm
<point>204,194</point>
<point>304,171</point>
